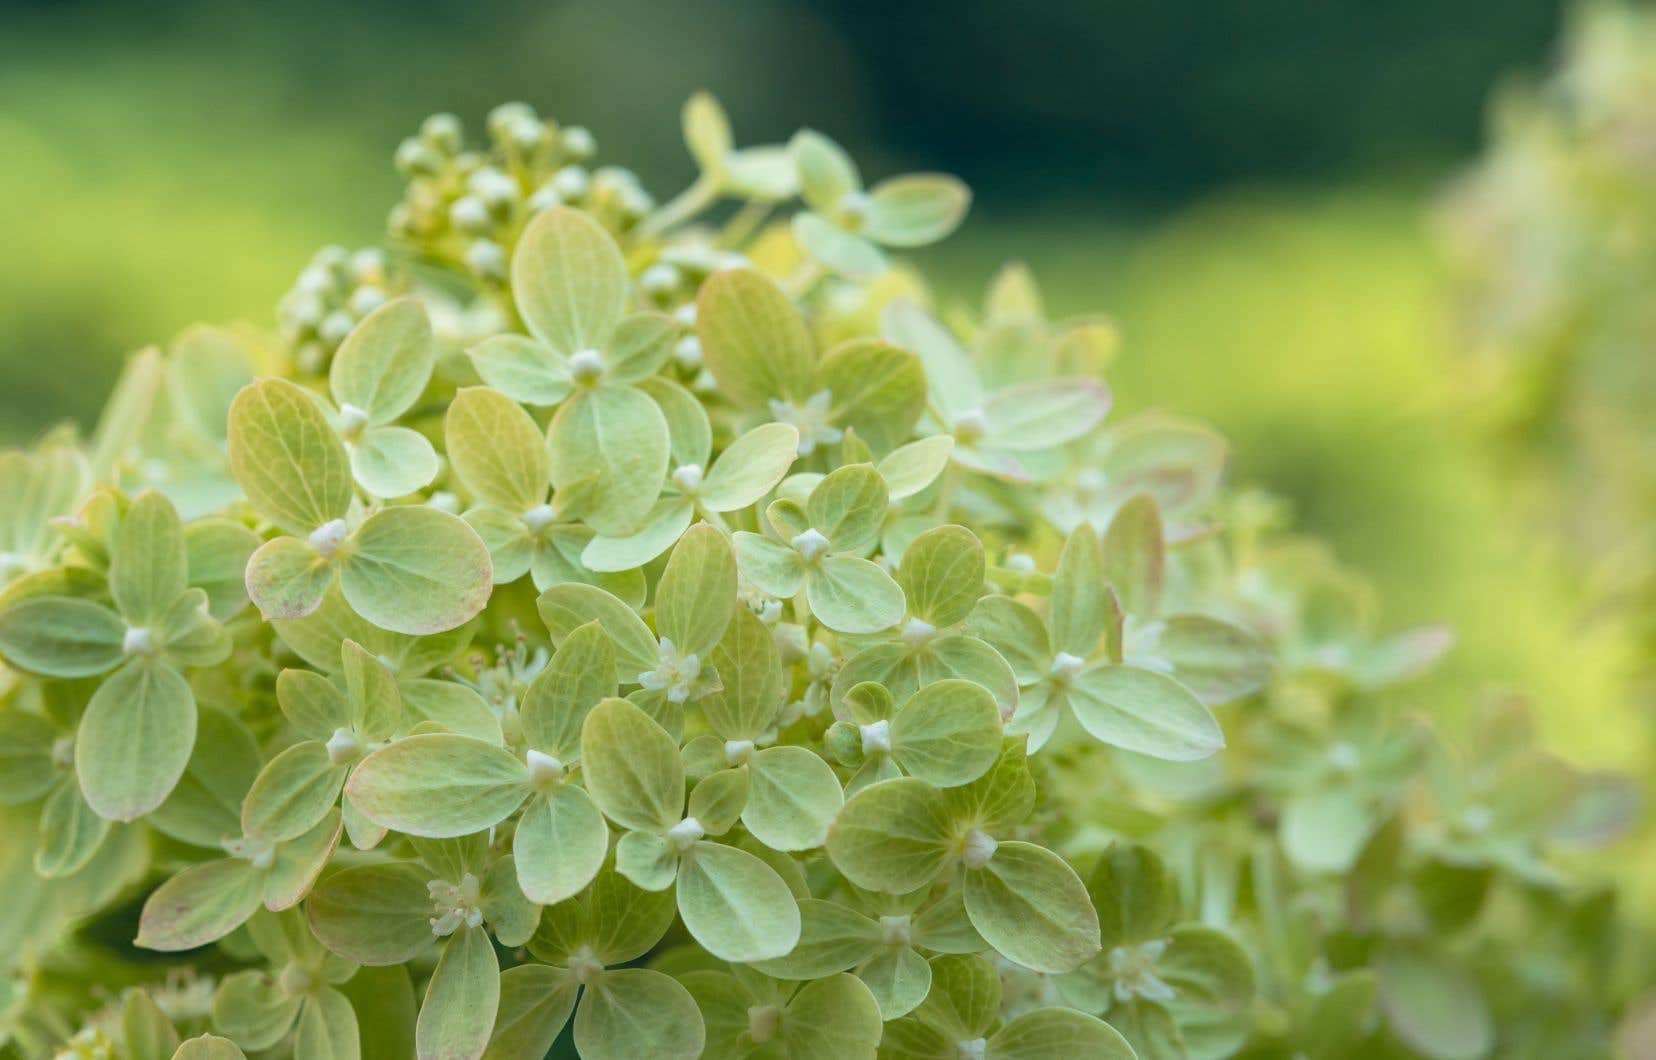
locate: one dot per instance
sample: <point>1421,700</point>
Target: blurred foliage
<point>1554,243</point>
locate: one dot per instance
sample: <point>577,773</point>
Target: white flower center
<point>539,518</point>
<point>585,965</point>
<point>544,770</point>
<point>980,846</point>
<point>970,426</point>
<point>1065,666</point>
<point>256,852</point>
<point>763,1022</point>
<point>738,751</point>
<point>1134,970</point>
<point>343,747</point>
<point>876,737</point>
<point>688,478</point>
<point>918,632</point>
<point>456,904</point>
<point>974,1049</point>
<point>1022,562</point>
<point>675,673</point>
<point>586,366</point>
<point>138,640</point>
<point>811,419</point>
<point>327,538</point>
<point>352,420</point>
<point>894,930</point>
<point>1343,758</point>
<point>810,544</point>
<point>1477,819</point>
<point>853,210</point>
<point>685,834</point>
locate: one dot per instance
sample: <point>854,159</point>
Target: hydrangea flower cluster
<point>670,635</point>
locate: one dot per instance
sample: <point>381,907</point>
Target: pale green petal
<point>951,378</point>
<point>852,595</point>
<point>200,905</point>
<point>665,525</point>
<point>511,547</point>
<point>1144,711</point>
<point>299,862</point>
<point>753,340</point>
<point>965,999</point>
<point>70,833</point>
<point>735,905</point>
<point>1325,831</point>
<point>1214,659</point>
<point>688,427</point>
<point>60,636</point>
<point>1434,1005</point>
<point>899,978</point>
<point>832,1019</point>
<point>134,740</point>
<point>535,1003</point>
<point>393,461</point>
<point>793,796</point>
<point>253,1009</point>
<point>385,362</point>
<point>910,468</point>
<point>840,251</point>
<point>290,463</point>
<point>942,575</point>
<point>374,914</point>
<point>371,688</point>
<point>559,844</point>
<point>832,939</point>
<point>632,767</point>
<point>580,673</point>
<point>749,468</point>
<point>294,791</point>
<point>286,578</point>
<point>751,676</point>
<point>878,389</point>
<point>826,172</point>
<point>205,804</point>
<point>1040,415</point>
<point>696,596</point>
<point>618,434</point>
<point>218,551</point>
<point>1031,907</point>
<point>522,369</point>
<point>327,1028</point>
<point>416,570</point>
<point>895,836</point>
<point>773,567</point>
<point>26,743</point>
<point>148,1031</point>
<point>569,280</point>
<point>148,569</point>
<point>208,1047</point>
<point>497,450</point>
<point>1133,556</point>
<point>566,608</point>
<point>1058,1034</point>
<point>847,506</point>
<point>916,209</point>
<point>439,785</point>
<point>641,345</point>
<point>1080,610</point>
<point>948,733</point>
<point>458,1010</point>
<point>631,1013</point>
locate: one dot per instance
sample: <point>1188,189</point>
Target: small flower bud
<point>685,834</point>
<point>139,640</point>
<point>577,143</point>
<point>469,215</point>
<point>487,258</point>
<point>571,183</point>
<point>688,478</point>
<point>979,847</point>
<point>810,544</point>
<point>327,538</point>
<point>442,132</point>
<point>586,366</point>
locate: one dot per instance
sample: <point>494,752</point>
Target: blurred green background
<point>1246,186</point>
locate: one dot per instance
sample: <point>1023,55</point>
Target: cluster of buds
<point>333,292</point>
<point>465,207</point>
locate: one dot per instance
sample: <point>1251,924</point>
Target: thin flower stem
<point>687,204</point>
